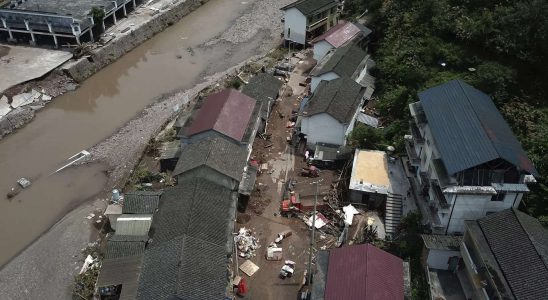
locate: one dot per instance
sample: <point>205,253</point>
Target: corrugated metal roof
<point>340,98</point>
<point>133,224</point>
<point>442,242</point>
<point>341,33</point>
<point>368,120</point>
<point>508,236</point>
<point>344,61</point>
<point>248,180</point>
<point>141,202</point>
<point>216,153</point>
<point>311,7</point>
<point>227,112</point>
<point>364,272</point>
<point>468,129</point>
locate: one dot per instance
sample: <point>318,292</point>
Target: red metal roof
<point>339,34</point>
<point>363,272</point>
<point>227,112</point>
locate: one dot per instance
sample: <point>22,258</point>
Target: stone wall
<point>83,68</point>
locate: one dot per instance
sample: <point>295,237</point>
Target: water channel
<point>101,105</point>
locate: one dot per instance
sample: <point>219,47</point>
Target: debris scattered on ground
<point>349,212</point>
<point>320,221</point>
<point>249,268</point>
<point>273,252</point>
<point>288,269</point>
<point>282,235</point>
<point>247,244</point>
<point>23,182</point>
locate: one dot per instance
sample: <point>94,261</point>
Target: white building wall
<point>315,81</point>
<point>473,207</point>
<point>439,259</point>
<point>295,21</point>
<point>320,49</point>
<point>322,128</point>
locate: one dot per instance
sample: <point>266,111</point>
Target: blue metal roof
<point>468,128</point>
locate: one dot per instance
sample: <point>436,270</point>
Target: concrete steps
<point>393,213</point>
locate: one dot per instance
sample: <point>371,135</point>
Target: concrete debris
<point>26,98</point>
<point>247,244</point>
<point>23,182</point>
<point>46,97</point>
<point>4,106</point>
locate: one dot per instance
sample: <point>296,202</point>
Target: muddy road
<point>204,42</point>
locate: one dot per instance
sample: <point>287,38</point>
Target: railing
<point>413,157</point>
<point>440,197</point>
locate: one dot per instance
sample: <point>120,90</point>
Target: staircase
<point>393,213</point>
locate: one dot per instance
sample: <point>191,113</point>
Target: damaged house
<point>338,36</point>
<point>265,89</point>
<point>306,19</point>
<point>466,160</point>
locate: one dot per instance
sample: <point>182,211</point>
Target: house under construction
<point>60,21</point>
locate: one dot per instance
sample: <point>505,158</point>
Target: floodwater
<point>102,104</point>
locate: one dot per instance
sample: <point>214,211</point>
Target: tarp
<point>349,212</point>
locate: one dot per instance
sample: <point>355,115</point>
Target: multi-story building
<point>468,163</point>
<point>307,19</point>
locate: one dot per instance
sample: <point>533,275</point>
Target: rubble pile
<point>247,244</point>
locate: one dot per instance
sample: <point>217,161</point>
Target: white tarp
<point>4,106</point>
<point>349,212</point>
<point>320,221</point>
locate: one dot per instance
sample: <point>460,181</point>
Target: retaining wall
<point>83,68</point>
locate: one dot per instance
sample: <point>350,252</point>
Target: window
<point>489,213</point>
<point>498,197</point>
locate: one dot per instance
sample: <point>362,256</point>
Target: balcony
<point>416,133</point>
<point>413,157</point>
<point>425,182</point>
<point>439,196</point>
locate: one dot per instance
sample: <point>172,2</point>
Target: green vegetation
<point>98,14</point>
<point>233,82</point>
<point>500,47</point>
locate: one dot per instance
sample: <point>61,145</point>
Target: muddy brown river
<point>102,104</point>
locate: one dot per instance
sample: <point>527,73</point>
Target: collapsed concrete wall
<point>83,68</point>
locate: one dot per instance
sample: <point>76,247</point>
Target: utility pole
<point>312,241</point>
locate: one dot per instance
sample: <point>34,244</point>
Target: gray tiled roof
<point>124,271</point>
<point>344,61</point>
<point>217,153</point>
<point>140,202</point>
<point>263,87</point>
<point>124,246</point>
<point>184,268</point>
<point>468,128</point>
<point>191,242</point>
<point>311,7</point>
<point>339,98</point>
<point>518,243</point>
<point>195,207</point>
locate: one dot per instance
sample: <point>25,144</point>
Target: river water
<point>101,105</point>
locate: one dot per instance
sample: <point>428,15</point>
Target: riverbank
<point>119,39</point>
